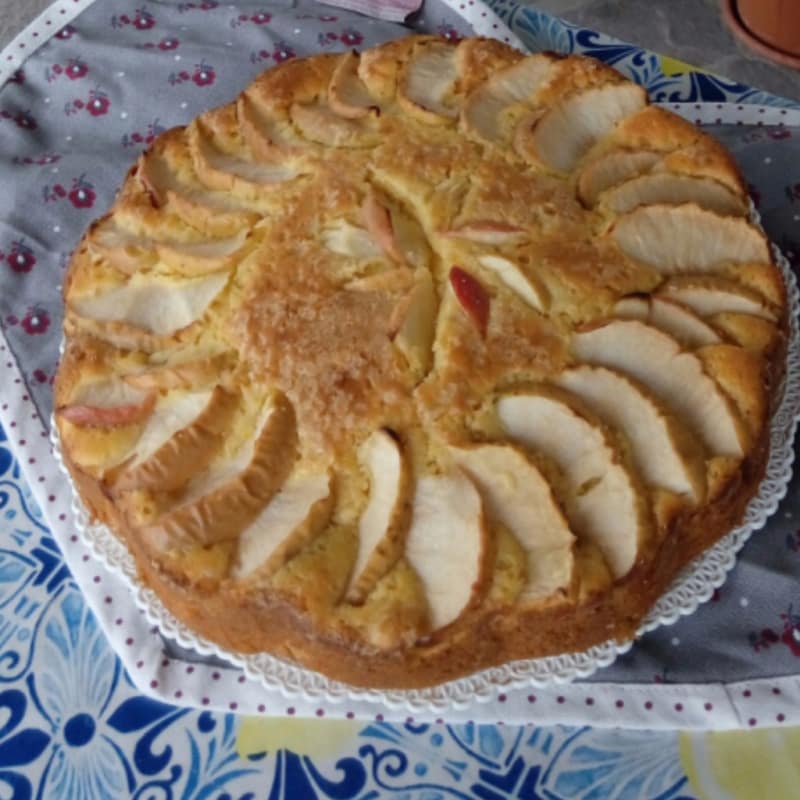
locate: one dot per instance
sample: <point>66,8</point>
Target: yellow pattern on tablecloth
<point>743,765</point>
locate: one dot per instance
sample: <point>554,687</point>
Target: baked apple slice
<point>664,451</point>
<point>107,403</point>
<point>178,441</point>
<point>353,241</point>
<point>524,285</point>
<point>488,232</point>
<point>416,323</point>
<point>610,169</point>
<point>384,523</point>
<point>560,137</point>
<point>448,544</point>
<point>124,250</point>
<point>709,295</point>
<point>295,516</point>
<point>271,139</point>
<point>319,123</point>
<point>190,370</point>
<point>229,173</point>
<point>348,95</point>
<point>220,502</point>
<point>427,83</point>
<point>667,188</point>
<point>483,114</point>
<point>605,503</point>
<point>152,304</point>
<point>671,317</point>
<point>688,238</point>
<point>201,258</point>
<point>378,220</point>
<point>215,214</point>
<point>675,377</point>
<point>516,495</point>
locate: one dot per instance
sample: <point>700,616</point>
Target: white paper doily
<point>695,584</point>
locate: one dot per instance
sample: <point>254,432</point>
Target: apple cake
<point>411,362</point>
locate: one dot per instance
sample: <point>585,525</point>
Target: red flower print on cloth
<point>351,37</point>
<point>165,44</point>
<point>788,635</point>
<point>40,376</point>
<point>207,5</point>
<point>282,52</point>
<point>18,76</point>
<point>256,18</point>
<point>142,20</point>
<point>35,321</point>
<point>203,75</point>
<point>448,33</point>
<point>135,138</point>
<point>66,32</point>
<point>22,119</point>
<point>39,161</point>
<point>327,39</point>
<point>97,104</point>
<point>81,194</point>
<point>74,69</point>
<point>20,258</point>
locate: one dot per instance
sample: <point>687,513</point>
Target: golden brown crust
<point>292,255</point>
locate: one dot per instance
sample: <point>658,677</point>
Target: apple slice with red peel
<point>671,317</point>
<point>417,323</point>
<point>384,523</point>
<point>428,81</point>
<point>664,450</point>
<point>708,295</point>
<point>473,298</point>
<point>605,504</point>
<point>294,517</point>
<point>488,232</point>
<point>347,94</point>
<point>196,371</point>
<point>318,123</point>
<point>611,169</point>
<point>222,501</point>
<point>668,188</point>
<point>152,303</point>
<point>512,276</point>
<point>179,440</point>
<point>675,377</point>
<point>516,495</point>
<point>378,221</point>
<point>201,258</point>
<point>688,238</point>
<point>566,132</point>
<point>107,403</point>
<point>482,114</point>
<point>447,544</point>
<point>228,173</point>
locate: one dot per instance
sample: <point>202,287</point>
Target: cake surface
<point>416,361</point>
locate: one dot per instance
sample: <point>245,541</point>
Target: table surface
<point>72,725</point>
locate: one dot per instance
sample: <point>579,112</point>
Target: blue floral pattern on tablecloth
<point>666,80</point>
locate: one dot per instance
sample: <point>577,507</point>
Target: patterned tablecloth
<point>72,722</point>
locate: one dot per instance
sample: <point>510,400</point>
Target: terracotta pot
<point>772,27</point>
<point>776,22</point>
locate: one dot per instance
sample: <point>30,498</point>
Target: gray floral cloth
<point>84,106</point>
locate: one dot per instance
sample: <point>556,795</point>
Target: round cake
<point>416,361</point>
